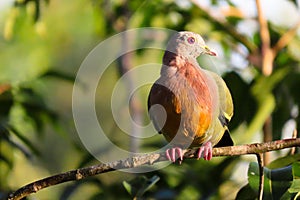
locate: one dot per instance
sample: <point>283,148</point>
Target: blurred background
<point>44,42</point>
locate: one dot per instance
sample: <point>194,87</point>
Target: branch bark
<point>147,159</point>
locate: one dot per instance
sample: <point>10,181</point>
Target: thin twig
<point>261,175</point>
<point>267,137</point>
<point>267,53</point>
<point>267,67</point>
<point>294,135</point>
<point>147,159</point>
<point>285,39</point>
<point>227,27</point>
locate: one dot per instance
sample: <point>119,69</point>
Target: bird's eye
<point>191,40</point>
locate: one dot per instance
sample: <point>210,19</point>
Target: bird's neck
<point>176,60</point>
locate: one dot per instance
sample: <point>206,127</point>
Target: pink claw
<point>171,154</point>
<point>206,151</point>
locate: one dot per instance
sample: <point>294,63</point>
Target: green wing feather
<point>225,99</point>
<point>226,110</point>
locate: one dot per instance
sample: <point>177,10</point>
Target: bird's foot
<point>205,151</point>
<point>171,154</point>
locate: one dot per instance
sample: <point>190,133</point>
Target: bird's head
<point>188,44</point>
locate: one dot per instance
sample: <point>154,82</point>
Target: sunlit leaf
<point>262,92</point>
<point>265,84</point>
<point>138,186</point>
<point>295,187</point>
<point>284,161</point>
<point>128,187</point>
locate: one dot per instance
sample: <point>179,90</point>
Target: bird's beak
<point>208,51</point>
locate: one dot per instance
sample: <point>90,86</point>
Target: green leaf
<point>59,75</point>
<point>35,107</point>
<point>265,84</point>
<point>246,193</point>
<point>265,108</point>
<point>148,185</point>
<point>284,161</point>
<point>287,195</point>
<point>262,91</point>
<point>128,187</point>
<point>296,170</point>
<point>6,160</point>
<point>295,187</point>
<point>138,186</point>
<point>25,140</point>
<point>276,182</point>
<point>189,192</point>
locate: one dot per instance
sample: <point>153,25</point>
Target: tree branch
<point>294,135</point>
<point>147,159</point>
<point>285,39</point>
<point>267,53</point>
<point>227,27</point>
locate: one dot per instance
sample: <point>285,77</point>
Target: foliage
<point>43,44</point>
<point>137,187</point>
<point>279,183</point>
